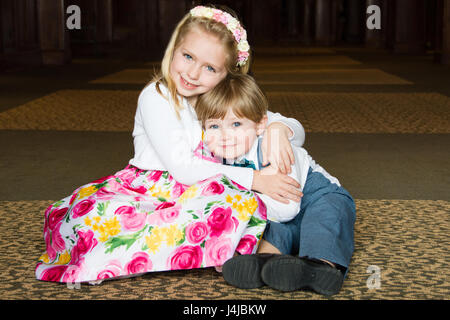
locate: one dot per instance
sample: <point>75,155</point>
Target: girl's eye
<point>187,56</point>
<point>209,68</point>
<point>236,124</point>
<point>214,126</point>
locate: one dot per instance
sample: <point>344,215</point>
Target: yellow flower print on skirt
<point>138,221</point>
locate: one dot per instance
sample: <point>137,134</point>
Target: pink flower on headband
<point>220,17</point>
<point>232,24</point>
<point>242,57</point>
<point>237,34</point>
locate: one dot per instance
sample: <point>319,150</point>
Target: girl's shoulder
<point>154,95</point>
<point>154,89</point>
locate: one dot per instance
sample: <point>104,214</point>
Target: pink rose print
<point>141,189</point>
<point>103,194</point>
<point>71,274</point>
<point>113,269</point>
<point>55,217</point>
<point>154,176</point>
<point>140,263</point>
<point>213,188</point>
<point>51,252</point>
<point>165,204</point>
<point>220,221</point>
<point>218,250</point>
<point>186,257</point>
<point>72,199</point>
<point>246,245</point>
<point>58,242</point>
<point>82,208</point>
<point>196,232</point>
<point>262,208</point>
<point>238,185</point>
<point>178,189</point>
<point>130,218</point>
<point>127,176</point>
<point>86,242</point>
<point>170,214</point>
<point>116,187</point>
<point>53,274</point>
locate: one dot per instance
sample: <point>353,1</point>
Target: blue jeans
<point>324,227</point>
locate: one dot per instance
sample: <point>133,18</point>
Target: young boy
<point>305,245</point>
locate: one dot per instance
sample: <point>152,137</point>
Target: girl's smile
<point>187,84</point>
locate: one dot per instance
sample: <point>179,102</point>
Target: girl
<point>170,208</point>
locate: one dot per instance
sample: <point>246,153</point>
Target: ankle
<point>328,262</point>
<point>267,247</point>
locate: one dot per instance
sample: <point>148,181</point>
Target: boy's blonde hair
<point>187,24</point>
<point>238,93</point>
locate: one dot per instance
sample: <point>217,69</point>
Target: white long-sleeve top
<point>278,211</point>
<point>164,142</point>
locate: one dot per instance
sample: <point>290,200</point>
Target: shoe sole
<point>244,271</point>
<point>288,273</point>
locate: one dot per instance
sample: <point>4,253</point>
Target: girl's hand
<point>276,147</point>
<point>276,185</point>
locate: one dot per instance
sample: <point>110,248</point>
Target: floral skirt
<point>139,221</point>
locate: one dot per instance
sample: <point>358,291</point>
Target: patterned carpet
<point>404,239</point>
<point>401,246</point>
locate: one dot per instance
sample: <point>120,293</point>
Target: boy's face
<point>232,137</point>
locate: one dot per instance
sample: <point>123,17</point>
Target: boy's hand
<point>276,147</point>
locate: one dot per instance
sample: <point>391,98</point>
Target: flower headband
<point>232,24</point>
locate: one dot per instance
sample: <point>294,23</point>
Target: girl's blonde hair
<point>238,93</point>
<point>187,24</point>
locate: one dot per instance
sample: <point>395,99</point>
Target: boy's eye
<point>236,124</point>
<point>209,68</point>
<point>213,126</point>
<point>187,56</point>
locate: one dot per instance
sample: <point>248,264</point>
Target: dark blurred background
<point>33,32</point>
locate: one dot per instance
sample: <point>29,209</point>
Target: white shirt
<point>282,212</point>
<point>164,142</point>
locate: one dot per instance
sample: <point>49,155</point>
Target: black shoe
<point>289,273</point>
<point>244,271</point>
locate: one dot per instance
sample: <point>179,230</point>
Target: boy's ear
<point>261,126</point>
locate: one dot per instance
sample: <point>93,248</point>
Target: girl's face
<point>198,64</point>
<point>232,137</point>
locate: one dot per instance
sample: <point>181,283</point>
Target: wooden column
<point>293,11</point>
<point>264,27</point>
<point>355,21</point>
<point>376,38</point>
<point>409,26</point>
<point>149,38</point>
<point>445,56</point>
<point>323,22</point>
<point>2,46</point>
<point>104,21</point>
<point>54,42</point>
<point>170,13</point>
<point>308,21</point>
